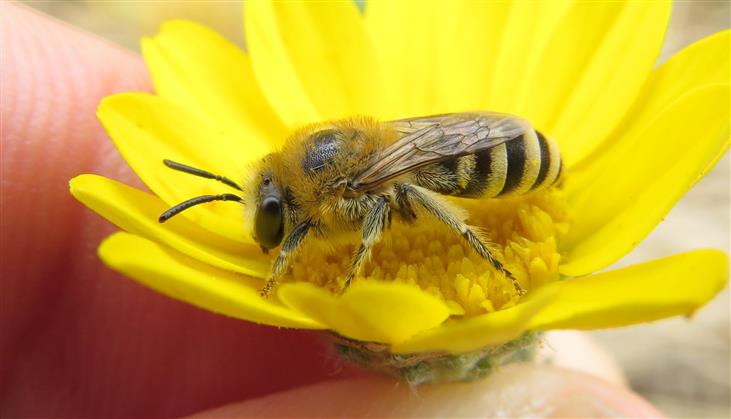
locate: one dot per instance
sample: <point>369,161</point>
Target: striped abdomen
<point>521,165</point>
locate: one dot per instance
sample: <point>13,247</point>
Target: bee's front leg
<point>291,246</point>
<point>373,226</point>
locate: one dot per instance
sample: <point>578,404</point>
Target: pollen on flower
<point>523,232</point>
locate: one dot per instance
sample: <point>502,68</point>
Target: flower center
<point>523,231</point>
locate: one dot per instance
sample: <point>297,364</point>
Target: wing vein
<point>432,139</point>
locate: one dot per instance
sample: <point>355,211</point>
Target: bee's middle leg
<point>439,211</point>
<point>373,226</point>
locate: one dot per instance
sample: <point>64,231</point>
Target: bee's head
<point>269,216</point>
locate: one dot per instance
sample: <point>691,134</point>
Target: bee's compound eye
<point>269,222</point>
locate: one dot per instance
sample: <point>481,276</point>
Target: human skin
<point>77,339</point>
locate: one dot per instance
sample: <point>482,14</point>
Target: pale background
<point>680,365</point>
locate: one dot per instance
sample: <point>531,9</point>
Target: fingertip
<point>520,390</point>
<point>53,77</point>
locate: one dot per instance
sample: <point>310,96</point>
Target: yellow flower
<point>634,139</point>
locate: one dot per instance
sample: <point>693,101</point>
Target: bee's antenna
<point>196,201</point>
<point>202,173</point>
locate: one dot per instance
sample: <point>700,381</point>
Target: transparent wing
<point>431,139</point>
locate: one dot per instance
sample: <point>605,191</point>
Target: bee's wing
<point>431,139</point>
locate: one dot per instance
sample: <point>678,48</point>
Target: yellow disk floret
<point>523,232</point>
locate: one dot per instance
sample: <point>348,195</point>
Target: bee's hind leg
<point>373,225</point>
<point>433,206</point>
<point>291,246</point>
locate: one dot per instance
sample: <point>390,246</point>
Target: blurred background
<point>681,365</point>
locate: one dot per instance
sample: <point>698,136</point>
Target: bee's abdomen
<point>524,164</point>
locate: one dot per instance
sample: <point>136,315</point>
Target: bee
<point>344,180</point>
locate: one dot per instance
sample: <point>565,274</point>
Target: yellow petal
<point>676,132</point>
<point>137,212</point>
<point>440,56</point>
<point>197,68</point>
<point>705,62</point>
<point>313,59</point>
<point>201,285</point>
<point>526,32</point>
<point>550,78</point>
<point>464,335</point>
<point>624,196</point>
<point>370,311</point>
<point>677,285</point>
<point>406,37</point>
<point>147,129</point>
<point>518,57</point>
<point>273,68</point>
<point>596,63</point>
